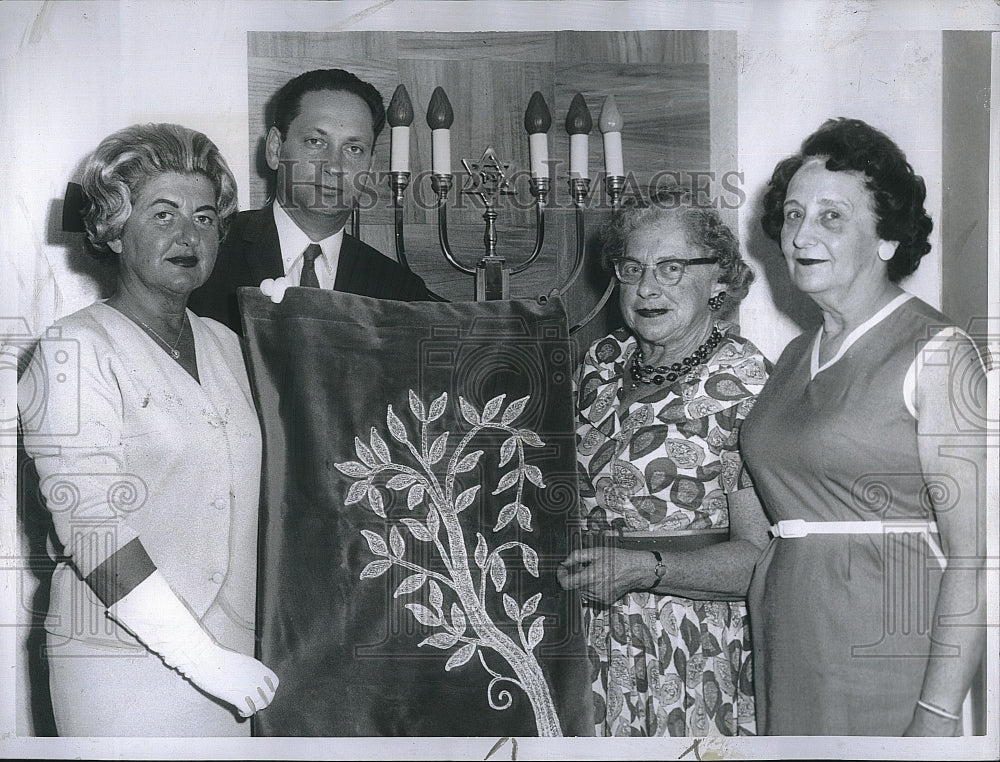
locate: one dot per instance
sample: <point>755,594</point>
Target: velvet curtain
<point>419,483</point>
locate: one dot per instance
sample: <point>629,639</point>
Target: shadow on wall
<point>35,524</point>
<point>64,229</point>
<point>766,254</point>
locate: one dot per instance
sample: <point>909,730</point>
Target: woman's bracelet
<point>659,570</point>
<point>933,709</point>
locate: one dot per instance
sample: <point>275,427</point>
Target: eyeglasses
<point>668,272</point>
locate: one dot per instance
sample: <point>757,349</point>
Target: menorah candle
<point>440,117</point>
<point>537,121</point>
<point>578,125</point>
<point>399,115</point>
<point>611,123</point>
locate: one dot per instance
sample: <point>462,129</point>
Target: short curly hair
<point>898,193</point>
<point>703,226</point>
<point>126,160</point>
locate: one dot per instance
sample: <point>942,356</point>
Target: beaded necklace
<point>658,374</point>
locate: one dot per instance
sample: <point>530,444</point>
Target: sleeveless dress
<point>841,622</point>
<point>666,665</point>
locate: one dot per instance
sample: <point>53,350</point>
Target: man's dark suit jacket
<point>251,253</point>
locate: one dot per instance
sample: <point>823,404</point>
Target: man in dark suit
<point>320,146</point>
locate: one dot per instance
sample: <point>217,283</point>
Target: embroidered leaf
<point>524,517</point>
<point>442,640</point>
<point>417,529</point>
<point>424,615</point>
<point>458,623</point>
<point>507,481</point>
<point>507,513</point>
<point>435,596</point>
<point>375,499</point>
<point>498,573</point>
<point>530,558</point>
<point>356,493</point>
<point>353,469</point>
<point>416,406</point>
<point>375,543</point>
<point>468,462</point>
<point>437,407</point>
<point>410,584</point>
<point>460,657</point>
<point>514,409</point>
<point>529,437</point>
<point>530,605</point>
<point>415,495</point>
<point>379,447</point>
<point>375,569</point>
<point>364,453</point>
<point>507,450</point>
<point>395,425</point>
<point>438,448</point>
<point>396,542</point>
<point>401,481</point>
<point>433,522</point>
<point>465,499</point>
<point>481,550</point>
<point>534,475</point>
<point>468,412</point>
<point>536,632</point>
<point>492,407</point>
<point>511,607</point>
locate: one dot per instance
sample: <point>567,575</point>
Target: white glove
<point>156,616</point>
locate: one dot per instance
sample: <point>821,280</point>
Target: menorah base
<point>492,279</point>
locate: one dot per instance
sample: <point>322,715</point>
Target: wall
<point>964,219</point>
<point>789,84</point>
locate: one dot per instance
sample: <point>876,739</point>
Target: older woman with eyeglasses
<point>672,533</point>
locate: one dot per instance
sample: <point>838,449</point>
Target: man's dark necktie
<point>309,266</point>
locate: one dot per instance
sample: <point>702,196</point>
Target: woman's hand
<point>239,680</point>
<point>605,574</point>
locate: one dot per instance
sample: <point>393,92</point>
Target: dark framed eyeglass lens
<point>668,272</point>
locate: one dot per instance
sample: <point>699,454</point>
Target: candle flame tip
<point>611,118</point>
<point>537,117</point>
<point>400,111</point>
<point>440,115</point>
<point>578,119</point>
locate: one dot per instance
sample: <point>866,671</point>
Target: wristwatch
<point>659,570</point>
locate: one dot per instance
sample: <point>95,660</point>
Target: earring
<point>715,303</point>
<point>887,250</point>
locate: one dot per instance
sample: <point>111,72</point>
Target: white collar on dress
<point>853,336</point>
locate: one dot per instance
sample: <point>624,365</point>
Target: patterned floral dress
<point>666,665</point>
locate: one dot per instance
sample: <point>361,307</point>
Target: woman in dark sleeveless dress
<point>867,448</point>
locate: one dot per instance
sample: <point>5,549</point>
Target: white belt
<point>792,528</point>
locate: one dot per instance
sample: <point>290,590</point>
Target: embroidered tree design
<point>467,623</point>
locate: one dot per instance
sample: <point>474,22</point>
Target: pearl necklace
<point>657,374</point>
<point>174,351</point>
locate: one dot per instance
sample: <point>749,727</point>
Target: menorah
<point>491,180</point>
